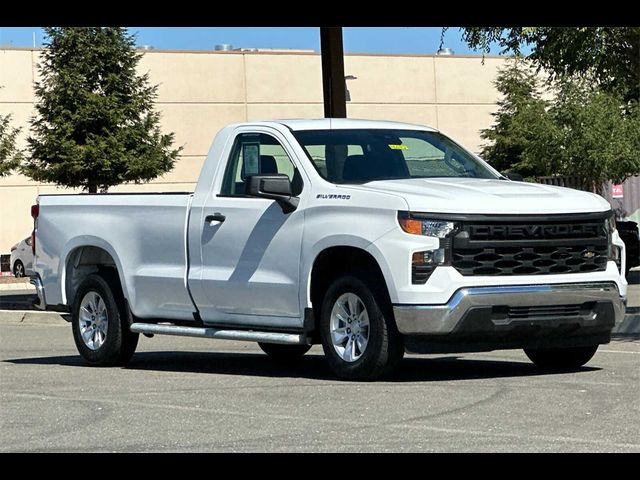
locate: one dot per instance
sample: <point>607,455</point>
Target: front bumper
<point>502,310</point>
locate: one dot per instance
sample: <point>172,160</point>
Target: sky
<point>395,40</point>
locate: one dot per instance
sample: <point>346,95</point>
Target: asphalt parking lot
<point>181,394</point>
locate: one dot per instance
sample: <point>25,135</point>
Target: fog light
<point>429,257</point>
<point>424,263</point>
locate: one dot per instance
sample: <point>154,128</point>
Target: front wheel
<point>359,336</point>
<point>561,358</point>
<point>100,329</point>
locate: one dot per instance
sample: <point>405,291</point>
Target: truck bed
<point>147,229</point>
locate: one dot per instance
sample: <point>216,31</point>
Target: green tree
<point>608,55</point>
<point>584,131</point>
<point>95,125</point>
<point>521,123</point>
<point>599,134</point>
<point>9,154</point>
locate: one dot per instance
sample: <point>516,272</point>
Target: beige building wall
<point>200,92</point>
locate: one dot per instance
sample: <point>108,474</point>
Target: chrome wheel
<point>18,270</point>
<point>93,320</point>
<point>349,327</point>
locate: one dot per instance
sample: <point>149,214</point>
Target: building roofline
<point>282,52</point>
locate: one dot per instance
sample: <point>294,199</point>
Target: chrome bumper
<point>41,303</point>
<point>444,319</point>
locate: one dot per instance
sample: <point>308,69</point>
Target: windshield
<point>364,155</point>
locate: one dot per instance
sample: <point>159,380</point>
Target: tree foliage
<point>584,131</point>
<point>9,154</point>
<point>598,134</point>
<point>521,122</point>
<point>608,55</point>
<point>95,125</point>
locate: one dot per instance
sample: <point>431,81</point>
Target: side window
<point>257,154</point>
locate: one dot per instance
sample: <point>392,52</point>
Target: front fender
<point>343,240</point>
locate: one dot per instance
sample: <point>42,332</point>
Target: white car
<point>22,258</point>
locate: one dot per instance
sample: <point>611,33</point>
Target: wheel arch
<point>83,256</point>
<point>337,259</point>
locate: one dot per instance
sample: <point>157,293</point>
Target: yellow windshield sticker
<point>398,147</point>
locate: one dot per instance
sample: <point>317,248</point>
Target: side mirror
<point>514,176</point>
<point>276,187</point>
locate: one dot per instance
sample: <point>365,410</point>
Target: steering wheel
<point>459,168</point>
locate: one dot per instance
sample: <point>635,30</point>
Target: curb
<point>630,325</point>
<point>24,286</point>
<point>30,317</point>
<point>18,300</point>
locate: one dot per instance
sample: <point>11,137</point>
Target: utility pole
<point>333,81</point>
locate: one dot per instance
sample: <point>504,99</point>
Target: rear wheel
<point>100,328</point>
<point>561,358</point>
<point>18,269</point>
<point>358,332</point>
<point>285,354</point>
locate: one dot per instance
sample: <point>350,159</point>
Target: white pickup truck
<point>371,238</point>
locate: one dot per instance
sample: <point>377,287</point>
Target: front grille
<point>545,246</point>
<point>530,260</point>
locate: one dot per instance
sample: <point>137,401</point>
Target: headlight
<point>426,227</point>
<point>610,223</point>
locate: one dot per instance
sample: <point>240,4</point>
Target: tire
<point>18,269</point>
<point>111,343</point>
<point>284,354</point>
<point>382,352</point>
<point>561,358</point>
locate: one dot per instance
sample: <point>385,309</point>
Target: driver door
<point>249,272</point>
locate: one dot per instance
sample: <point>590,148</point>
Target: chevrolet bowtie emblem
<point>588,254</point>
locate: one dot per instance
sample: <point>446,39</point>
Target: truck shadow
<point>311,366</point>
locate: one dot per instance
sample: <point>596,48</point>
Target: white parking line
<point>618,351</point>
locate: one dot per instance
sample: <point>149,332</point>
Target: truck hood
<point>488,196</point>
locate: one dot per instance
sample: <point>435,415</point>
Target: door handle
<point>216,217</point>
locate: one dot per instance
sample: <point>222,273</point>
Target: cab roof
<point>342,124</point>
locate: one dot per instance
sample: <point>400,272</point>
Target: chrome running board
<point>222,334</point>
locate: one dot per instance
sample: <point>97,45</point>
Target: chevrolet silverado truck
<point>370,238</point>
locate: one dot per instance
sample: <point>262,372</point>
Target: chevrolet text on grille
<point>536,231</point>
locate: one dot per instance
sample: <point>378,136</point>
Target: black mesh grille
<point>530,248</point>
<point>529,260</point>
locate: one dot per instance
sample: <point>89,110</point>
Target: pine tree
<point>9,155</point>
<point>95,125</point>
